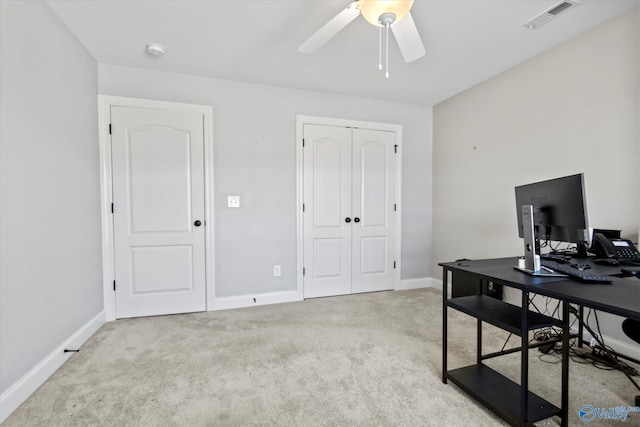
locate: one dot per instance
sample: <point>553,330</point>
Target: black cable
<point>556,310</point>
<point>549,333</point>
<point>556,248</point>
<point>546,305</point>
<point>506,341</point>
<point>575,319</point>
<point>614,362</point>
<point>606,352</point>
<point>595,314</point>
<point>555,361</point>
<point>556,351</point>
<point>534,305</point>
<point>553,332</point>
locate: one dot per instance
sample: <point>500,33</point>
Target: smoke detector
<point>155,49</point>
<point>550,14</point>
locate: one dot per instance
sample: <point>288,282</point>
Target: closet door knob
<point>356,219</point>
<point>347,219</point>
<point>197,223</point>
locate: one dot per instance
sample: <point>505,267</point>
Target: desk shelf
<point>500,314</point>
<point>500,394</point>
<point>510,400</point>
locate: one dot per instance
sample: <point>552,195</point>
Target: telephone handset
<point>620,249</point>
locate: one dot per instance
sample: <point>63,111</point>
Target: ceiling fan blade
<point>408,39</point>
<point>330,29</point>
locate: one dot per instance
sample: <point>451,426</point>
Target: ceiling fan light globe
<point>373,9</point>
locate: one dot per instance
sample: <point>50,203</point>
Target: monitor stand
<point>531,258</point>
<point>582,251</point>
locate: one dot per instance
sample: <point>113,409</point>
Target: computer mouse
<point>607,261</point>
<point>631,271</point>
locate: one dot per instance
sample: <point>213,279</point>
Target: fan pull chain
<point>380,48</point>
<point>387,65</point>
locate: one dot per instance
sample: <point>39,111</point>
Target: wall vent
<point>550,14</point>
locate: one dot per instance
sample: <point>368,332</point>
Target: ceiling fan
<point>389,14</point>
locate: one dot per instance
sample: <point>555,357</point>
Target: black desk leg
<point>479,343</point>
<point>445,287</point>
<point>580,325</point>
<point>479,332</point>
<point>564,407</point>
<point>524,369</point>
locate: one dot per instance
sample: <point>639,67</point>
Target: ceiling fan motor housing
<point>387,18</point>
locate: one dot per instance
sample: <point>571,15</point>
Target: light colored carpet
<point>361,360</point>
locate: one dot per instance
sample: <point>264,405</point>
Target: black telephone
<point>620,249</point>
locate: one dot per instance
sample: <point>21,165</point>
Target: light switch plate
<point>233,201</point>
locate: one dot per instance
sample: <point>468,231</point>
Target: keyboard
<point>574,273</point>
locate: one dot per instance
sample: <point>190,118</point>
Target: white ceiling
<point>256,41</point>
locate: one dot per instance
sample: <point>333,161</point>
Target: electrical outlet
<point>233,201</point>
<point>277,272</point>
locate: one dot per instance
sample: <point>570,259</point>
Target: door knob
<point>197,223</point>
<point>356,219</point>
<point>347,219</point>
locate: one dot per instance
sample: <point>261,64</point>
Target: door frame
<point>301,120</point>
<point>105,102</point>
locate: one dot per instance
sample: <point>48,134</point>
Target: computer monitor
<point>553,210</point>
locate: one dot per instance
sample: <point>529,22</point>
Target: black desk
<point>514,402</point>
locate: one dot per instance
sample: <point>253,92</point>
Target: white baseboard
<point>25,386</point>
<point>241,301</point>
<point>422,282</point>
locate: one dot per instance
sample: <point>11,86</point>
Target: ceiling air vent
<point>550,14</point>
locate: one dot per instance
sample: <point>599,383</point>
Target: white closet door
<point>373,230</point>
<point>327,200</point>
<point>158,193</point>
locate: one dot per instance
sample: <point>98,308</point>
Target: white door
<point>158,196</point>
<point>327,190</point>
<point>373,230</point>
<point>349,210</point>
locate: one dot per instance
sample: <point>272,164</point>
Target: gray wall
<point>572,109</point>
<point>50,259</point>
<point>254,149</point>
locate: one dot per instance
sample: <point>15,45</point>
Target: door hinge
<point>304,271</point>
<point>394,264</point>
<point>303,207</point>
<point>395,207</point>
<point>111,207</point>
<point>302,142</point>
<point>109,128</point>
<point>114,285</point>
<point>395,148</point>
